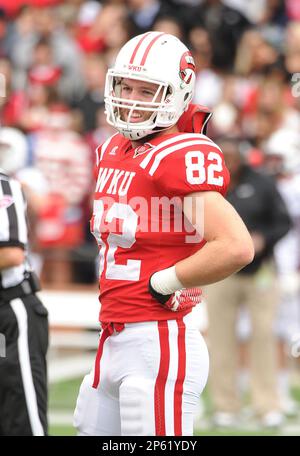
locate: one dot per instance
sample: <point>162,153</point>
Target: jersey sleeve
<point>188,170</point>
<point>96,163</point>
<point>98,157</point>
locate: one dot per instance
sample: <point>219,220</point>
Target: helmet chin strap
<point>139,135</point>
<point>136,135</point>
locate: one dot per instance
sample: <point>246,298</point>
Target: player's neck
<point>167,131</point>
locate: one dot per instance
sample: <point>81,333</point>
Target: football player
<point>164,229</point>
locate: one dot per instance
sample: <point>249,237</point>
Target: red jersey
<point>138,220</point>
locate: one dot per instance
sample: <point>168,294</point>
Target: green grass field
<point>62,399</point>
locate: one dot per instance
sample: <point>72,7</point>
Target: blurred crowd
<point>54,55</point>
<point>53,60</point>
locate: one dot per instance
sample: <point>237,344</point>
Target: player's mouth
<point>135,117</point>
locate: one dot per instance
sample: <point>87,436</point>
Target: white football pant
<point>151,377</point>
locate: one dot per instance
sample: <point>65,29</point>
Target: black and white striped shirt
<point>13,228</point>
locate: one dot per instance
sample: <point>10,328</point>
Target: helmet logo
<point>137,68</point>
<point>142,149</point>
<point>187,67</point>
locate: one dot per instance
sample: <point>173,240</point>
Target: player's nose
<point>135,94</point>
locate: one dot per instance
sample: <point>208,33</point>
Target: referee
<point>23,324</point>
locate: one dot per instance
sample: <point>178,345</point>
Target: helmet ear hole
<point>169,91</point>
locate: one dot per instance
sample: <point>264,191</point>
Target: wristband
<point>166,281</point>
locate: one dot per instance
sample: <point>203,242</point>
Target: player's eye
<point>148,93</point>
<point>126,89</point>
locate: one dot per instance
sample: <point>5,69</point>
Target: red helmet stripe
<point>149,47</point>
<point>138,45</point>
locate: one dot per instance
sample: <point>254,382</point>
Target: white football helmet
<point>285,144</point>
<point>13,150</point>
<point>157,58</point>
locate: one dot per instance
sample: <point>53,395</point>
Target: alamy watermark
<point>150,215</point>
<point>2,346</point>
<point>295,81</point>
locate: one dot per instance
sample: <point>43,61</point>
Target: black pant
<point>23,371</point>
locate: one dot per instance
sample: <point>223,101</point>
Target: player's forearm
<point>217,260</point>
<point>229,246</point>
<point>10,257</point>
